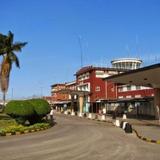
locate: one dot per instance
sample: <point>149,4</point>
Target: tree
<point>7,49</point>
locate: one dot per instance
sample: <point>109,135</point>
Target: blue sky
<point>108,29</point>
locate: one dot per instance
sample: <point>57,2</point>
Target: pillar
<point>72,102</point>
<point>81,98</point>
<point>157,102</point>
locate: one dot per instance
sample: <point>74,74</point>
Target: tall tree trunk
<point>4,77</point>
<point>4,101</point>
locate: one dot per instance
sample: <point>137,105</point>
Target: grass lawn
<point>6,121</point>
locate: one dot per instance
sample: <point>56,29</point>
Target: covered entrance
<point>147,76</point>
<point>78,100</point>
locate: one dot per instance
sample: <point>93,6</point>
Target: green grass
<point>6,121</point>
<point>9,125</point>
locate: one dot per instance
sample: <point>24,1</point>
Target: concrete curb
<point>91,119</point>
<point>146,139</point>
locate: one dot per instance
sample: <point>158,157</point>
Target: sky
<point>58,32</point>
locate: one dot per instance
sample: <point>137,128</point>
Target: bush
<point>19,108</point>
<point>41,106</point>
<point>32,110</point>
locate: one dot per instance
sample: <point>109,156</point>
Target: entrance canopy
<point>146,76</point>
<point>123,100</point>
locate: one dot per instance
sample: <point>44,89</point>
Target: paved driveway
<point>77,139</point>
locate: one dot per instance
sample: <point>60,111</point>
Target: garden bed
<point>9,126</point>
<point>20,129</point>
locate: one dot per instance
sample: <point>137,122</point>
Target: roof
<point>141,99</point>
<point>70,83</point>
<point>92,68</point>
<point>126,60</point>
<point>57,84</point>
<point>146,76</point>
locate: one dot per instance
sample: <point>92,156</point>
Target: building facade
<point>90,79</point>
<point>107,94</point>
<point>138,100</point>
<point>58,96</point>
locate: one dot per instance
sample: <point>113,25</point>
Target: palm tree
<point>2,41</point>
<point>7,49</point>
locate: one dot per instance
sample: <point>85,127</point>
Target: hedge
<point>41,106</point>
<point>32,110</point>
<point>19,108</point>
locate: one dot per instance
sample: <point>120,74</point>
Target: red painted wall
<point>107,89</point>
<point>143,93</point>
<point>111,90</point>
<point>97,82</point>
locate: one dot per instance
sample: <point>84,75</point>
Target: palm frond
<point>2,44</point>
<point>10,37</point>
<point>18,46</point>
<point>7,48</point>
<point>15,59</point>
<point>2,40</point>
<point>2,51</point>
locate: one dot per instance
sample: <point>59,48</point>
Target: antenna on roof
<point>128,50</point>
<point>137,46</point>
<point>81,50</point>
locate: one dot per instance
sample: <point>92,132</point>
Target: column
<point>81,98</point>
<point>72,102</point>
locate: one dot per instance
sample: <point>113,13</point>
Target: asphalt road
<point>77,139</point>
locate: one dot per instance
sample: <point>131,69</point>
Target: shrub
<point>41,106</point>
<point>32,110</point>
<point>20,110</point>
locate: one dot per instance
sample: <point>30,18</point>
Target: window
<point>99,73</point>
<point>97,89</point>
<point>128,88</point>
<point>120,89</point>
<point>138,87</point>
<point>87,76</point>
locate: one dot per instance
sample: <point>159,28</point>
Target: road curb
<point>146,139</point>
<point>137,134</point>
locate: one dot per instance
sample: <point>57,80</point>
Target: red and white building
<point>107,94</point>
<point>134,98</point>
<point>90,79</point>
<point>59,98</point>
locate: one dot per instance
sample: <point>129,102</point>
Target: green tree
<point>7,50</point>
